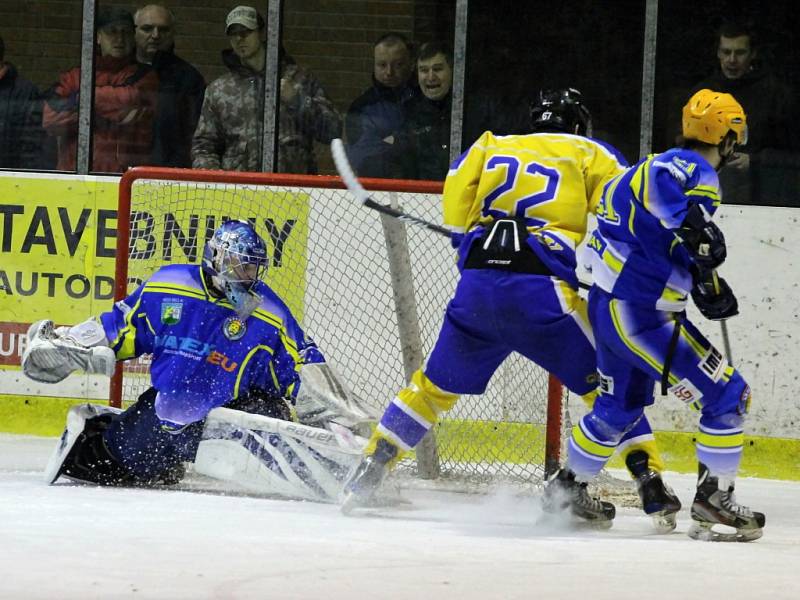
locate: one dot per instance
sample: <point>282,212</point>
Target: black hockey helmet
<point>561,110</point>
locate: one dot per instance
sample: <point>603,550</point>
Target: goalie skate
<point>564,492</point>
<point>717,517</point>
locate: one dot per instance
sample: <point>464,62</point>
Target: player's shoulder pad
<point>684,165</point>
<point>620,158</point>
<point>180,274</point>
<point>272,303</point>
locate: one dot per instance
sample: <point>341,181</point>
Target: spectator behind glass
<point>229,133</point>
<point>375,119</point>
<point>769,105</point>
<point>766,99</point>
<point>428,122</point>
<point>124,101</point>
<point>21,134</point>
<point>180,87</point>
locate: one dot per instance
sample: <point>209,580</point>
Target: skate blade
<point>350,502</point>
<point>715,532</point>
<point>596,524</point>
<point>664,522</point>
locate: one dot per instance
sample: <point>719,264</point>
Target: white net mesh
<point>373,303</point>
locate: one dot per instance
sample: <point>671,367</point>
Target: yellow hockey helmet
<point>708,117</point>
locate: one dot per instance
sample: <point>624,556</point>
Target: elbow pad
<point>703,239</point>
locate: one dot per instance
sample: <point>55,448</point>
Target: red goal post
<point>370,290</point>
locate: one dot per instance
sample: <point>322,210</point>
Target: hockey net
<point>368,289</point>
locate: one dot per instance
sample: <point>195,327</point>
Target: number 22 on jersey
<point>520,178</point>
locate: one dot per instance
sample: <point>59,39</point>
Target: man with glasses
<point>180,87</point>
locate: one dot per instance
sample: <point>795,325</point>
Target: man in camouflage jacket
<point>229,133</point>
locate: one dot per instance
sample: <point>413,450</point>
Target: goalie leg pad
<point>50,357</point>
<point>277,457</point>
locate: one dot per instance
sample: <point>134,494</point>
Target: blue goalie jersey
<point>204,355</point>
<point>635,254</point>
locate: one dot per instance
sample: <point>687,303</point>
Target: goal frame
<point>426,453</point>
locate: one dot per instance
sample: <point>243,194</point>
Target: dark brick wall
<point>332,38</point>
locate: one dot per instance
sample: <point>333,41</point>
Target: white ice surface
<point>69,541</point>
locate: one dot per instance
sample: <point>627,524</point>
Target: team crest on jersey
<point>234,328</point>
<point>171,312</point>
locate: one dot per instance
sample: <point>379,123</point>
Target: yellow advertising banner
<point>58,237</point>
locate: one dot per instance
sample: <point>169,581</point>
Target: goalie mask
<point>561,110</point>
<point>235,258</point>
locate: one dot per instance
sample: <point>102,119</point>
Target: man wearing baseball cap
<point>229,133</point>
<point>246,16</point>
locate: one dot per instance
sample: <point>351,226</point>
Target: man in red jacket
<point>124,103</point>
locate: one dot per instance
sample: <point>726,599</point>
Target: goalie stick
<point>350,180</point>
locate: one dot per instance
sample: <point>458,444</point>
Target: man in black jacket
<point>428,121</point>
<point>376,119</point>
<point>21,133</point>
<point>767,169</point>
<point>180,90</point>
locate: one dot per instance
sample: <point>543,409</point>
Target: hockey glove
<point>703,238</point>
<point>714,298</point>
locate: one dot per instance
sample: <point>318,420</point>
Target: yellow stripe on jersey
<point>149,324</point>
<point>173,289</point>
<point>590,446</point>
<point>127,335</point>
<point>706,191</point>
<point>614,261</point>
<point>244,364</point>
<point>672,295</point>
<point>640,182</point>
<point>698,348</point>
<point>711,440</point>
<point>631,217</point>
<point>640,352</point>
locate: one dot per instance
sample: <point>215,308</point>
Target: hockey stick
<point>726,342</point>
<point>350,180</point>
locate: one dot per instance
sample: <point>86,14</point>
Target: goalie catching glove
<point>703,238</point>
<point>52,353</point>
<point>713,297</point>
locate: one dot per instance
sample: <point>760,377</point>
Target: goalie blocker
<point>259,452</point>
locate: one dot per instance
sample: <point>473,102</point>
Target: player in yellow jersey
<point>517,208</point>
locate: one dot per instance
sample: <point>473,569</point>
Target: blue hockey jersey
<point>204,355</point>
<point>635,253</point>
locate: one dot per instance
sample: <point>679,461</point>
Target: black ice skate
<point>658,499</point>
<point>715,509</point>
<point>368,476</point>
<point>563,492</point>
